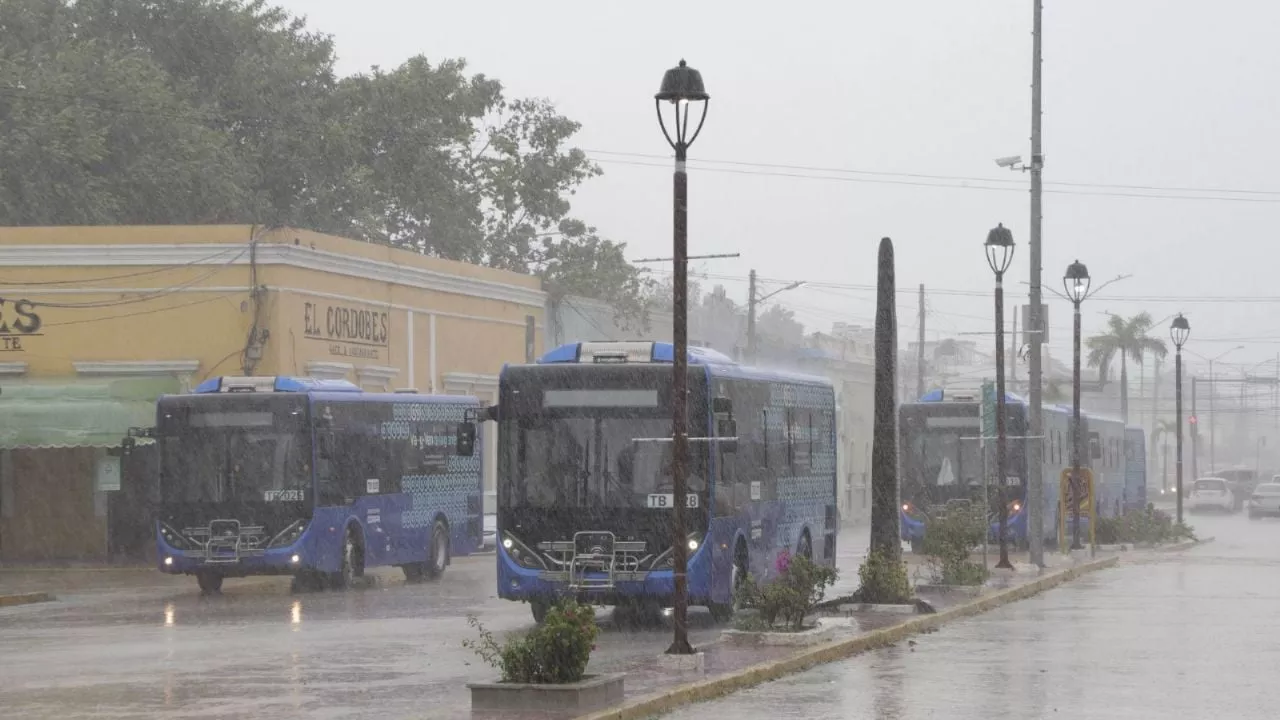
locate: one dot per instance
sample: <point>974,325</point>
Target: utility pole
<point>1013,350</point>
<point>751,318</point>
<point>1034,448</point>
<point>1195,433</point>
<point>1213,422</point>
<point>754,299</point>
<point>920,349</point>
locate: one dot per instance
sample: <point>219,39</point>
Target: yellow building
<point>95,322</point>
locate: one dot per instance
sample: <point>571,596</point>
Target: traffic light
<point>1192,419</point>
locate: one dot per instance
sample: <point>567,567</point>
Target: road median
<point>667,700</point>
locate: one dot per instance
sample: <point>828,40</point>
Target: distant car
<point>1265,500</point>
<point>1211,494</point>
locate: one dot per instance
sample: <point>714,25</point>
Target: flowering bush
<point>555,652</point>
<point>793,595</point>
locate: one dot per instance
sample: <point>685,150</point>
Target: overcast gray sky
<point>1153,93</point>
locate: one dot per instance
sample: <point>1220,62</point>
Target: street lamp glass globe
<point>1179,331</point>
<point>683,90</point>
<point>999,247</point>
<point>1076,282</point>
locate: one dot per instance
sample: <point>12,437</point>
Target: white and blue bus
<point>584,480</point>
<point>942,461</point>
<point>313,478</point>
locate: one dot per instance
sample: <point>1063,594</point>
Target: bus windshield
<point>235,450</point>
<point>945,458</point>
<point>604,462</point>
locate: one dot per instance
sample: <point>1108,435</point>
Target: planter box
<point>813,636</point>
<point>592,692</point>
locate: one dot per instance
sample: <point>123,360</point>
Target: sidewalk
<point>645,677</point>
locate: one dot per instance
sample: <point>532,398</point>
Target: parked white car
<point>1211,494</point>
<point>1265,500</point>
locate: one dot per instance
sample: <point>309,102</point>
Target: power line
<point>140,273</point>
<point>146,297</point>
<point>953,186</point>
<point>925,176</point>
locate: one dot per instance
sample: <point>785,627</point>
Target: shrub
<point>883,581</point>
<point>792,595</point>
<point>949,540</point>
<point>1148,526</point>
<point>555,652</point>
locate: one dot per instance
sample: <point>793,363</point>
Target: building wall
<point>198,302</point>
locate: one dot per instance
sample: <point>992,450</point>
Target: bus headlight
<point>666,560</point>
<point>522,554</point>
<point>175,539</point>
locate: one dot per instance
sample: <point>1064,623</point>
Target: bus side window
<point>330,482</point>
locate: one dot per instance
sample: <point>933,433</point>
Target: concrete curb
<point>1184,545</point>
<point>25,599</point>
<point>665,702</point>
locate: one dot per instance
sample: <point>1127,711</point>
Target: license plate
<point>666,500</point>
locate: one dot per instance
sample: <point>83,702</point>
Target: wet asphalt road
<point>138,644</point>
<point>1187,635</point>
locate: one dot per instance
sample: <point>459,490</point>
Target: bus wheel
<point>210,582</point>
<point>437,550</point>
<point>539,609</point>
<point>352,562</point>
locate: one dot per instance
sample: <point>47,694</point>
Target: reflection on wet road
<point>1187,635</point>
<point>159,649</point>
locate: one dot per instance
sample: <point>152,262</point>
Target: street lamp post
<point>1076,283</point>
<point>681,88</point>
<point>999,248</point>
<point>1178,332</point>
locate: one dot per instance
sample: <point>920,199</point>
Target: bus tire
<point>352,562</point>
<point>539,608</point>
<point>437,551</point>
<point>210,582</point>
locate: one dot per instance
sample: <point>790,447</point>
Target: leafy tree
<point>1127,340</point>
<point>197,111</point>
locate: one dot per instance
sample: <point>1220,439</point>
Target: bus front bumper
<point>273,561</point>
<point>516,582</point>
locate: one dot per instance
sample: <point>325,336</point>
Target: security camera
<point>1008,162</point>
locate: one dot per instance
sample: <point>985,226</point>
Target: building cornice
<point>327,370</point>
<point>196,254</point>
<point>13,368</point>
<point>135,367</point>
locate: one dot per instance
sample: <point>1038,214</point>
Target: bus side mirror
<point>466,444</point>
<point>729,436</point>
<point>127,445</point>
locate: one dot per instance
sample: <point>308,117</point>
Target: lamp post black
<point>999,247</point>
<point>1076,283</point>
<point>1179,331</point>
<point>681,88</point>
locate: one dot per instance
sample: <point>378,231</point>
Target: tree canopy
<point>1126,339</point>
<point>208,111</point>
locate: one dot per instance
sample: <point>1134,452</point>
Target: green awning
<point>86,413</point>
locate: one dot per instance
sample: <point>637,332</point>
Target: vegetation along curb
<point>664,702</point>
<point>24,599</point>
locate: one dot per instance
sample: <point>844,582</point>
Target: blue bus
<point>942,461</point>
<point>584,482</point>
<point>313,478</point>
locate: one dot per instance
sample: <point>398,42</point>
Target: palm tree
<point>1129,340</point>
